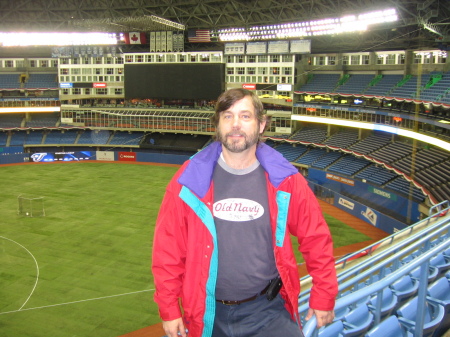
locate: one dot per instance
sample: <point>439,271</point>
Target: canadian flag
<point>135,38</point>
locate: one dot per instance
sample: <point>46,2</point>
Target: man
<point>222,236</point>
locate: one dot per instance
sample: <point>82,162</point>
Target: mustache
<point>236,133</point>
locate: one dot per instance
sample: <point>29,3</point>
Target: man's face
<point>238,128</point>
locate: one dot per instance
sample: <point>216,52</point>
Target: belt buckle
<point>229,302</point>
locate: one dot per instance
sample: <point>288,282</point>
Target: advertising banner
<point>127,156</point>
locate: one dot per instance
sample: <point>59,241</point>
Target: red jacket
<point>185,261</point>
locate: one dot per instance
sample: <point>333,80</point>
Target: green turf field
<point>84,268</point>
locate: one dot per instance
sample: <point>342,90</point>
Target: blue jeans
<point>258,318</point>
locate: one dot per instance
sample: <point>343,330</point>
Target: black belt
<point>245,300</point>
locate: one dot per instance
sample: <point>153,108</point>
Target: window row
<point>260,71</point>
<point>174,58</point>
<point>72,79</point>
<point>259,58</point>
<point>260,79</point>
<point>92,91</point>
<point>90,71</point>
<point>43,63</point>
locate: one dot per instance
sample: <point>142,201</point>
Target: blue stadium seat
<point>357,321</point>
<point>405,288</point>
<point>388,302</point>
<point>439,292</point>
<point>441,263</point>
<point>390,327</point>
<point>332,330</point>
<point>434,315</point>
<point>432,274</point>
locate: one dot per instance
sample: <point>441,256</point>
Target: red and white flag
<point>135,38</point>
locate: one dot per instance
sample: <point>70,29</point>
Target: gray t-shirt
<point>242,218</point>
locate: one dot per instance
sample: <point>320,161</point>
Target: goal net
<point>31,206</point>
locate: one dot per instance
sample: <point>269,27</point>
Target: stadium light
<point>56,39</point>
<point>331,26</point>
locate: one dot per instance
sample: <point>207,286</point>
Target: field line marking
<point>74,302</point>
<point>37,269</point>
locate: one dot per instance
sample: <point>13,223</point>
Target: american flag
<point>199,35</point>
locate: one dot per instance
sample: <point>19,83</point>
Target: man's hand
<point>323,317</point>
<point>172,328</point>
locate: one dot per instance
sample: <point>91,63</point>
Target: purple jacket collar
<point>199,171</point>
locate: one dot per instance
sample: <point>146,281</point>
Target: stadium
<point>95,94</point>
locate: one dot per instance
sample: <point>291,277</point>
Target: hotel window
<point>230,70</point>
<point>345,60</point>
<point>170,58</point>
<point>86,60</point>
<point>331,60</point>
<point>102,91</point>
<point>276,70</point>
<point>320,60</point>
<point>62,71</point>
<point>110,71</point>
<point>139,58</point>
<point>86,71</point>
<point>401,59</point>
<point>262,58</point>
<point>274,58</point>
<point>262,70</point>
<point>356,59</point>
<point>365,59</point>
<point>286,71</point>
<point>240,70</point>
<point>251,58</point>
<point>251,70</point>
<point>286,58</point>
<point>230,58</point>
<point>390,59</point>
<point>98,60</point>
<point>118,91</point>
<point>240,59</point>
<point>108,60</point>
<point>76,91</point>
<point>119,60</point>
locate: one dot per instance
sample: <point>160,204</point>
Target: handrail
<point>369,249</point>
<point>310,329</point>
<point>392,257</point>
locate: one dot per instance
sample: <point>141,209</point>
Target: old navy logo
<point>236,209</point>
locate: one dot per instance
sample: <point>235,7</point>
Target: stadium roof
<point>135,15</point>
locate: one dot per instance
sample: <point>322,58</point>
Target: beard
<point>238,145</point>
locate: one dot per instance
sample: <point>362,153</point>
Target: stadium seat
<point>357,321</point>
<point>432,274</point>
<point>388,303</point>
<point>441,263</point>
<point>405,288</point>
<point>332,330</point>
<point>439,292</point>
<point>434,315</point>
<point>390,327</point>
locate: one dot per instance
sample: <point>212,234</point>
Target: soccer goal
<point>31,206</point>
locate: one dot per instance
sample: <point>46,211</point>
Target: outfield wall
<point>397,205</point>
<point>325,187</point>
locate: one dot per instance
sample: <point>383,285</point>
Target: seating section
<point>94,137</point>
<point>42,120</point>
<point>321,83</point>
<point>42,81</point>
<point>356,84</point>
<point>9,81</point>
<point>384,85</point>
<point>125,138</point>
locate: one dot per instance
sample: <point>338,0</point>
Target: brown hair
<point>231,96</point>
